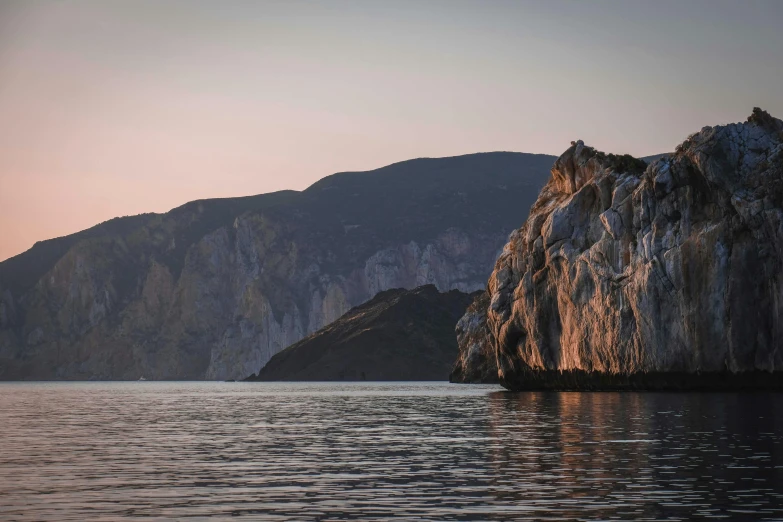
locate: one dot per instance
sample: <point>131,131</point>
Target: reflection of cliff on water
<point>637,454</point>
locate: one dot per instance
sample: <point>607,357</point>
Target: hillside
<point>399,335</point>
<point>215,288</point>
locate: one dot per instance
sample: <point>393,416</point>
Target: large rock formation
<point>215,288</point>
<point>662,276</point>
<point>399,335</point>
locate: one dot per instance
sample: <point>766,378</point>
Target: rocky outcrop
<point>399,335</point>
<point>215,288</point>
<point>476,362</point>
<point>665,276</point>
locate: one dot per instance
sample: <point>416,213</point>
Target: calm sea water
<point>315,451</point>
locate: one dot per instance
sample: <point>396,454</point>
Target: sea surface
<point>318,451</point>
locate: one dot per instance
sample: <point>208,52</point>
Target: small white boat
<point>142,378</point>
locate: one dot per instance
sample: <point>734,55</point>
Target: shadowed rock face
<point>399,335</point>
<point>215,288</point>
<point>476,362</point>
<point>662,276</point>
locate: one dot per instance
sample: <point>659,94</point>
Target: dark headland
<point>399,335</point>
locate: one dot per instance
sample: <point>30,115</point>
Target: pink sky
<point>119,108</point>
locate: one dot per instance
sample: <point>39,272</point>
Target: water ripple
<point>317,451</point>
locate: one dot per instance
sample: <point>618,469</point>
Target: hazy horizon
<point>123,108</point>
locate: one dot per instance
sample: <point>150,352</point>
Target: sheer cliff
<point>215,288</point>
<point>628,275</point>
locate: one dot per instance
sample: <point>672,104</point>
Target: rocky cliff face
<point>667,275</point>
<point>399,335</point>
<point>215,288</point>
<point>476,362</point>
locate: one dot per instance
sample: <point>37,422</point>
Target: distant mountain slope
<point>399,335</point>
<point>214,288</point>
<point>191,221</point>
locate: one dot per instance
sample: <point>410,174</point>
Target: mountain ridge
<point>216,287</point>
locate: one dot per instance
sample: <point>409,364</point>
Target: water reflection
<point>641,455</point>
<point>381,450</point>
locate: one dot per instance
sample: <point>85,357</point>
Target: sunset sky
<point>122,107</point>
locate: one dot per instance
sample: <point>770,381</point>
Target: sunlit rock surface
<point>659,276</point>
<point>215,288</point>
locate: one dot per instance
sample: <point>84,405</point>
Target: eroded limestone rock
<point>629,273</point>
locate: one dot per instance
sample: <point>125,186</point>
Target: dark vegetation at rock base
<point>580,380</point>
